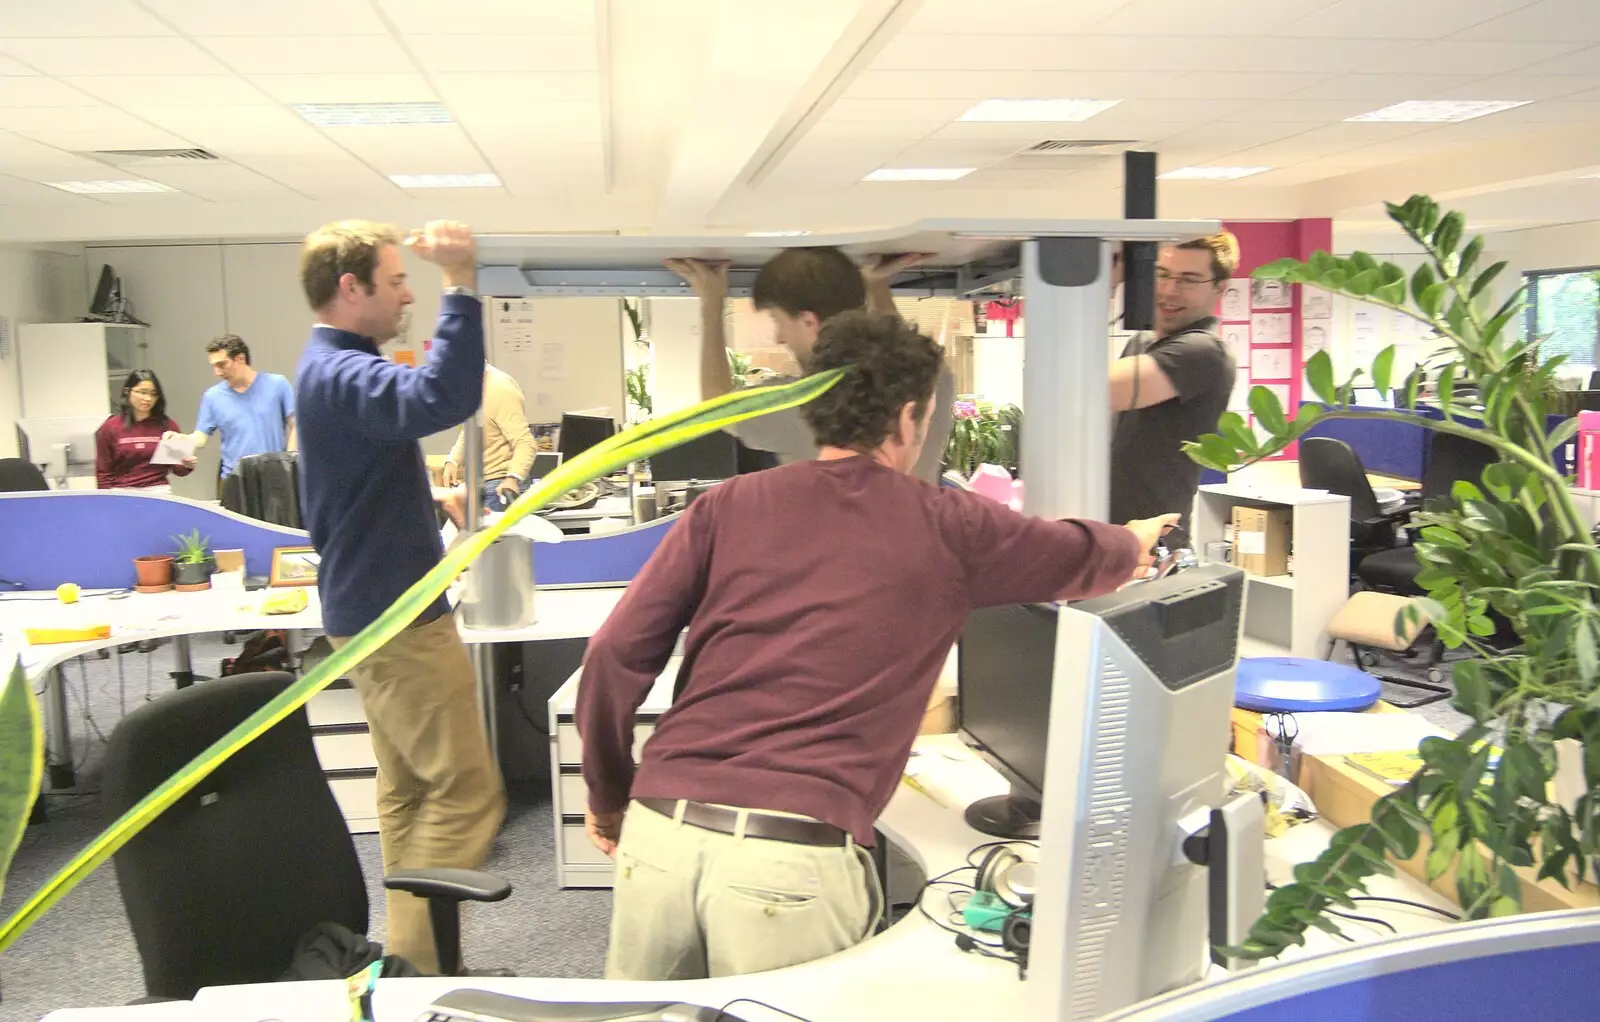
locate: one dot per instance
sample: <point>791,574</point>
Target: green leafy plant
<point>635,444</point>
<point>982,434</point>
<point>193,548</point>
<point>1511,546</point>
<point>739,365</point>
<point>21,762</point>
<point>638,381</point>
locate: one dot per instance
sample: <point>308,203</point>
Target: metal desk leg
<point>483,666</point>
<point>58,731</point>
<point>291,641</point>
<point>183,675</point>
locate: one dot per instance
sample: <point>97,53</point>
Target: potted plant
<point>983,435</point>
<point>1511,546</point>
<point>153,573</point>
<point>192,563</point>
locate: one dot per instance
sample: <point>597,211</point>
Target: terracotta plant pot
<point>153,572</point>
<point>192,576</point>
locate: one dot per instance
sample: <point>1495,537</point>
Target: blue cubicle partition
<point>91,537</point>
<point>1538,966</point>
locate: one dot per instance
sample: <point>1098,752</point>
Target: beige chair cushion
<point>1371,619</point>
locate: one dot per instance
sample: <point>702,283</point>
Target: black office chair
<point>1333,465</point>
<point>265,487</point>
<point>221,887</point>
<point>18,475</point>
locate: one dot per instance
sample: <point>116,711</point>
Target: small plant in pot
<point>192,563</point>
<point>153,573</point>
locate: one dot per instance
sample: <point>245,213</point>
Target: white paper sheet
<point>173,450</point>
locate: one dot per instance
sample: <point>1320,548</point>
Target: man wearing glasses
<point>1172,385</point>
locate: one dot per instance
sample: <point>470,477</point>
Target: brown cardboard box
<point>1261,539</point>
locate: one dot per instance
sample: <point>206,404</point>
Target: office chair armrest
<point>454,884</point>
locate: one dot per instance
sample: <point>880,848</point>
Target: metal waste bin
<point>499,585</point>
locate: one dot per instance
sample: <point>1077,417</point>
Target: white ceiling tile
<point>1520,87</point>
<point>955,153</point>
<point>1239,85</point>
<point>1020,132</point>
<point>412,148</point>
<point>511,88</point>
<point>99,56</point>
<point>1297,109</point>
<point>287,54</point>
<point>405,87</point>
<point>528,118</point>
<point>841,130</point>
<point>76,18</point>
<point>1383,89</point>
<point>1582,62</point>
<point>1486,58</point>
<point>1381,19</point>
<point>1183,17</point>
<point>524,17</point>
<point>1331,56</point>
<point>981,52</point>
<point>170,90</point>
<point>335,175</point>
<point>932,112</point>
<point>216,181</point>
<point>16,192</point>
<point>278,17</point>
<point>1011,178</point>
<point>37,90</point>
<point>16,69</point>
<point>1546,20</point>
<point>1303,174</point>
<point>955,17</point>
<point>505,52</point>
<point>1176,111</point>
<point>972,86</point>
<point>23,157</point>
<point>81,129</point>
<point>232,131</point>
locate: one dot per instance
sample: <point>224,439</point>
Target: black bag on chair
<point>268,488</point>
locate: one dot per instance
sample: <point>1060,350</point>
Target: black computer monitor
<point>544,463</point>
<point>713,456</point>
<point>1005,661</point>
<point>581,432</point>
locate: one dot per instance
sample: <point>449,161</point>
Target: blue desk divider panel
<point>1398,449</point>
<point>91,538</point>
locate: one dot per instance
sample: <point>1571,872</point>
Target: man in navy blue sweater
<point>369,508</point>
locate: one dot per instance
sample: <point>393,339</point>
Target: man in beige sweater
<point>508,446</point>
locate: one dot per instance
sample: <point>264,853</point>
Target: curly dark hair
<point>821,280</point>
<point>231,345</point>
<point>893,365</point>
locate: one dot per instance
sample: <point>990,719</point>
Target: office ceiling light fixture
<point>127,187</point>
<point>1038,110</point>
<point>919,173</point>
<point>446,180</point>
<point>1212,173</point>
<point>1437,111</point>
<point>371,115</point>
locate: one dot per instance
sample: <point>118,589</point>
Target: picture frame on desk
<point>294,566</point>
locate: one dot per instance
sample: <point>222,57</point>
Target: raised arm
<point>878,273</point>
<point>709,281</point>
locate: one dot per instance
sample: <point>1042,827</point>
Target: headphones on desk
<point>1004,873</point>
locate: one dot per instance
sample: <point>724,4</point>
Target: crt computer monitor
<point>712,456</point>
<point>581,432</point>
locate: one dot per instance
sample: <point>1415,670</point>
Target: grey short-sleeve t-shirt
<point>1150,474</point>
<point>786,434</point>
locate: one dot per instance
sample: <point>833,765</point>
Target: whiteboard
<point>566,353</point>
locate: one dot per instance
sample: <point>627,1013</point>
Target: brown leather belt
<point>757,824</point>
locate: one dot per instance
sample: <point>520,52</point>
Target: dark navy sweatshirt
<point>364,490</point>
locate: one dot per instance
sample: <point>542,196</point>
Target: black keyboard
<point>484,1006</point>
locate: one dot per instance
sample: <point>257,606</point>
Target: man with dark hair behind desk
<point>821,599</point>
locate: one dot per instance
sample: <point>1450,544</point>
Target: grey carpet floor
<point>81,953</point>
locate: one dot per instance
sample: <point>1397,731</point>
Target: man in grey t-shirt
<point>801,288</point>
<point>1172,385</point>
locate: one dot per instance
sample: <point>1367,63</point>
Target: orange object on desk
<point>77,633</point>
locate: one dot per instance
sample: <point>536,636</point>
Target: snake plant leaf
<point>21,762</point>
<point>619,450</point>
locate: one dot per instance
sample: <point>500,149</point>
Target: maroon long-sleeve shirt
<point>122,453</point>
<point>821,600</point>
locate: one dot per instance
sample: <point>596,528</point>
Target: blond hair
<point>1224,249</point>
<point>333,250</point>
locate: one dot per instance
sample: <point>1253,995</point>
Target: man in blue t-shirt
<point>254,410</point>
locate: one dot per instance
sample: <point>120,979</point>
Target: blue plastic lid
<point>1299,685</point>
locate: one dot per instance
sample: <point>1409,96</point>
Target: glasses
<point>1183,281</point>
<point>145,392</point>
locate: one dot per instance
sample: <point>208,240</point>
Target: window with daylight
<point>1564,309</point>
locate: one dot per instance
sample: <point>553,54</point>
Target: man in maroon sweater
<point>821,599</point>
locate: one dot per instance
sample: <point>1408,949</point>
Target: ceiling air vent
<point>152,157</point>
<point>1069,146</point>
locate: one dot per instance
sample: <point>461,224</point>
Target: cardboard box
<point>1261,539</point>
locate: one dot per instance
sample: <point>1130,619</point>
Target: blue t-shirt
<point>252,422</point>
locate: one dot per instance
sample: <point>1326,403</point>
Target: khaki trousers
<point>691,903</point>
<point>440,800</point>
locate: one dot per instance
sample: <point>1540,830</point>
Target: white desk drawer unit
<point>578,862</point>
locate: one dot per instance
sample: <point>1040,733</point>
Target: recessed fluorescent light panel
<point>1038,109</point>
<point>370,115</point>
<point>1212,173</point>
<point>1437,111</point>
<point>446,180</point>
<point>919,174</point>
<point>775,234</point>
<point>110,187</point>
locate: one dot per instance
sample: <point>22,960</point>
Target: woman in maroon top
<point>125,441</point>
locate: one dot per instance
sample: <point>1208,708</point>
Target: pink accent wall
<point>1264,242</point>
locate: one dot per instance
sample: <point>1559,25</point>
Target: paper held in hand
<point>173,450</point>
